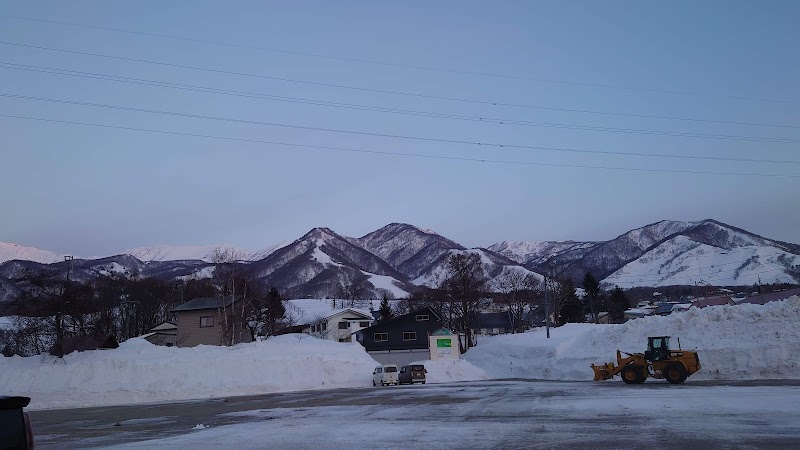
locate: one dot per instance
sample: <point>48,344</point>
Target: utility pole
<point>546,307</point>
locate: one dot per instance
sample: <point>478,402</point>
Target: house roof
<point>426,310</point>
<point>82,343</point>
<point>308,310</point>
<point>203,303</point>
<point>492,320</point>
<point>166,326</point>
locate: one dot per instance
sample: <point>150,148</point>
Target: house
<point>340,325</point>
<point>402,339</point>
<point>165,334</point>
<point>200,322</point>
<point>82,343</point>
<point>490,324</point>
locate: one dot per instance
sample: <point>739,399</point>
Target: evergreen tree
<point>570,309</point>
<point>385,310</point>
<point>592,287</point>
<point>617,304</point>
<point>275,310</point>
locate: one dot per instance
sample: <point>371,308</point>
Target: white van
<point>385,374</point>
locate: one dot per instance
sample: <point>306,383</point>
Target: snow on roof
<point>309,309</point>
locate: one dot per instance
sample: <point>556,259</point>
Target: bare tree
<point>227,271</point>
<point>519,289</point>
<point>464,283</point>
<point>352,291</point>
<point>319,327</point>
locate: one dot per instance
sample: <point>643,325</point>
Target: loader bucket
<point>602,372</point>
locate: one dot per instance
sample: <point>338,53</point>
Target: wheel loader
<point>659,361</point>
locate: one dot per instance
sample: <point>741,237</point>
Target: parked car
<point>411,374</point>
<point>15,425</point>
<point>385,374</point>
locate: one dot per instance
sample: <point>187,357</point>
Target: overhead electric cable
<point>395,136</point>
<point>316,102</point>
<point>412,155</point>
<point>400,65</point>
<point>390,92</point>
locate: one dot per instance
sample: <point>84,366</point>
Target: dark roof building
<point>82,343</point>
<point>203,303</point>
<point>492,323</point>
<point>402,339</point>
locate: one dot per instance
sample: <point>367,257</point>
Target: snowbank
<point>443,371</point>
<point>139,372</point>
<point>733,342</point>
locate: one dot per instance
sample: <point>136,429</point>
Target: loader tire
<point>630,375</point>
<point>642,372</point>
<point>676,374</point>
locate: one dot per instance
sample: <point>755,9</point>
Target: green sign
<point>444,343</point>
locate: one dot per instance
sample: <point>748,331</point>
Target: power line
<point>394,136</point>
<point>400,93</point>
<point>316,102</point>
<point>399,65</point>
<point>411,155</point>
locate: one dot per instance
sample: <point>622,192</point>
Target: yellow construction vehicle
<point>659,361</point>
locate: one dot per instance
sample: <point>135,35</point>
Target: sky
<point>393,79</point>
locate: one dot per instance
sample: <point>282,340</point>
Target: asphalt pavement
<point>490,414</point>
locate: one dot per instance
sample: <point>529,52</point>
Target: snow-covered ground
<point>139,372</point>
<point>733,342</point>
<point>500,415</point>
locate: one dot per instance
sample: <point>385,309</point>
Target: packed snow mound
<point>733,342</point>
<point>140,372</point>
<point>448,371</point>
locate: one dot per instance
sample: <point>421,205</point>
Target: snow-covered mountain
<point>407,248</point>
<point>399,257</point>
<point>494,267</point>
<point>163,252</point>
<point>10,251</point>
<point>322,263</point>
<point>536,252</point>
<point>711,253</point>
<point>606,257</point>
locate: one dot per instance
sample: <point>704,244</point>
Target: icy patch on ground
<point>733,342</point>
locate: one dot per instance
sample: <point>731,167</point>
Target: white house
<point>340,325</point>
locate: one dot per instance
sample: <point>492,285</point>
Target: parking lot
<point>492,414</point>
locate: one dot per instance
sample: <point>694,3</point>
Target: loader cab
<point>657,348</point>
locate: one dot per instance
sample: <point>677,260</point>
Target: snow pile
<point>448,371</point>
<point>733,342</point>
<point>139,372</point>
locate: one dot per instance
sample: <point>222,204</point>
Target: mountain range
<point>398,258</point>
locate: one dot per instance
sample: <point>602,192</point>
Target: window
<point>381,337</point>
<point>344,325</point>
<point>363,324</point>
<point>206,321</point>
<point>324,326</point>
<point>409,335</point>
<point>422,317</point>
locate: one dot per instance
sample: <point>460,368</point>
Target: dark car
<point>414,373</point>
<point>15,425</point>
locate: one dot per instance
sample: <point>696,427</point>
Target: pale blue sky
<point>86,190</point>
